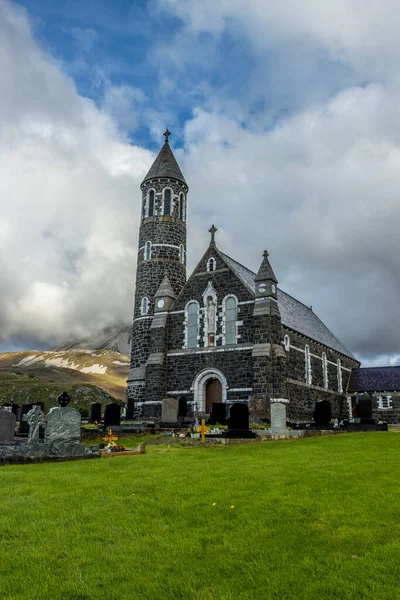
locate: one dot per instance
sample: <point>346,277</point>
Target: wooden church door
<point>213,393</point>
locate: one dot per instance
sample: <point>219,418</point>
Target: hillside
<point>88,374</point>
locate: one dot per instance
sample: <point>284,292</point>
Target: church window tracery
<point>192,324</point>
<point>211,264</point>
<point>325,370</point>
<point>144,306</point>
<point>308,365</point>
<point>151,202</point>
<point>167,202</point>
<point>147,251</point>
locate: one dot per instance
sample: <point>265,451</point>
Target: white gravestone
<point>278,415</point>
<point>63,425</point>
<point>169,412</point>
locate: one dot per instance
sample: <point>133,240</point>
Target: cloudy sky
<point>286,123</point>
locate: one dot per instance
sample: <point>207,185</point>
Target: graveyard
<point>288,519</point>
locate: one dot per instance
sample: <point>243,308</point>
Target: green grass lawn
<point>313,518</point>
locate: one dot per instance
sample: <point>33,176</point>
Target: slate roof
<point>165,165</point>
<point>375,379</point>
<point>295,315</point>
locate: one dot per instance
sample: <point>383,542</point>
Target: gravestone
<point>7,425</point>
<point>278,416</point>
<point>11,407</point>
<point>239,416</point>
<point>238,422</point>
<point>169,411</point>
<point>364,405</point>
<point>63,425</point>
<point>35,418</point>
<point>95,412</point>
<point>182,408</point>
<point>322,412</point>
<point>112,415</point>
<point>25,408</point>
<point>218,413</point>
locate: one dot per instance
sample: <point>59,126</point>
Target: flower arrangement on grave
<point>113,447</point>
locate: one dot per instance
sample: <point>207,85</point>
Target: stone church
<point>226,334</point>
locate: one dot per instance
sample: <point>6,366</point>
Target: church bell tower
<point>161,257</point>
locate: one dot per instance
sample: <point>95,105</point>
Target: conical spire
<point>165,164</point>
<point>265,272</point>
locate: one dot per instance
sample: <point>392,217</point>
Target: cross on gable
<point>212,230</point>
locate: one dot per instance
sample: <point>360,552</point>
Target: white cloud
<point>318,189</point>
<point>320,192</point>
<point>69,198</point>
<point>363,32</point>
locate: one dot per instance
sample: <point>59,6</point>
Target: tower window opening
<point>211,264</point>
<point>147,251</point>
<point>181,201</point>
<point>167,203</point>
<point>144,306</point>
<point>182,254</point>
<point>151,203</point>
<point>230,320</point>
<point>192,326</point>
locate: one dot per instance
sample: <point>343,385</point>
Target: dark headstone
<point>7,425</point>
<point>239,416</point>
<point>112,415</point>
<point>95,412</point>
<point>218,413</point>
<point>364,405</point>
<point>23,424</point>
<point>182,408</point>
<point>322,412</point>
<point>63,399</point>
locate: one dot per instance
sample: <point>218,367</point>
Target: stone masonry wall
<point>302,395</point>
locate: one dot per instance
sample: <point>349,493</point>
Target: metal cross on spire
<point>166,134</point>
<point>212,230</point>
<point>265,253</point>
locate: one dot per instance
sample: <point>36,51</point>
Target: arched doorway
<point>213,393</point>
<point>201,394</point>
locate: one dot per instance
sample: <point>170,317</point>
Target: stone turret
<point>268,357</point>
<point>161,258</point>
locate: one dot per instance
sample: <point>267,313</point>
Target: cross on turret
<point>166,134</point>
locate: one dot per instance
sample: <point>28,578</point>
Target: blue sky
<point>285,121</point>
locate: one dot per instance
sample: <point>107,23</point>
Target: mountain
<point>103,369</point>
